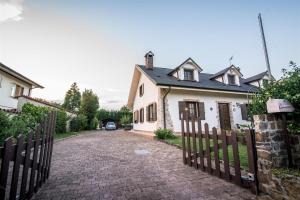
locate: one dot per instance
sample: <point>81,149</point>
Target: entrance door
<point>224,116</point>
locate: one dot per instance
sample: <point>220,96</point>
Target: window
<point>17,90</point>
<point>188,75</point>
<point>141,115</point>
<point>141,90</point>
<point>193,109</point>
<point>151,112</point>
<point>136,117</point>
<point>231,79</point>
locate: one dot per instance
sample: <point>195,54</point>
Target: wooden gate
<point>25,165</point>
<point>218,153</point>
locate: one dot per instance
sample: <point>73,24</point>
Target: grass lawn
<point>242,150</point>
<point>58,136</point>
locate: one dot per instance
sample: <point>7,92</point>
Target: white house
<point>158,95</point>
<point>12,86</point>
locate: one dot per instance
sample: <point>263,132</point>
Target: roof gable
<point>222,72</point>
<point>257,77</point>
<point>189,61</point>
<point>18,76</point>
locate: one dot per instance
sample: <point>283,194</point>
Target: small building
<point>13,85</point>
<point>159,95</point>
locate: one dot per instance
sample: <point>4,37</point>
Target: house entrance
<point>224,115</point>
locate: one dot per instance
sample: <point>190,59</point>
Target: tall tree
<point>89,106</point>
<point>72,98</point>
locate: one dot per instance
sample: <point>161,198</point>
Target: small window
<point>17,91</point>
<point>141,115</point>
<point>188,75</point>
<point>231,79</point>
<point>141,90</point>
<point>192,109</point>
<point>151,112</point>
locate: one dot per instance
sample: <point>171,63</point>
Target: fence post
<point>6,157</point>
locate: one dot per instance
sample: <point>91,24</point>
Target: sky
<point>97,43</point>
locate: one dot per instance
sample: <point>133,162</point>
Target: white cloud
<point>11,10</point>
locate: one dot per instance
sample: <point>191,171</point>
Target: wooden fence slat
<point>201,155</point>
<point>207,145</point>
<point>225,155</point>
<point>250,152</point>
<point>49,146</point>
<point>34,162</point>
<point>189,160</point>
<point>16,168</point>
<point>183,139</point>
<point>6,157</point>
<point>45,159</point>
<point>40,164</point>
<point>26,166</point>
<point>194,144</point>
<point>52,140</point>
<point>216,152</point>
<point>236,158</point>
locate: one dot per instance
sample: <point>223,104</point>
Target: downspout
<point>164,106</point>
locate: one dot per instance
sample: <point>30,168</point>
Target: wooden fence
<point>25,165</point>
<point>202,150</point>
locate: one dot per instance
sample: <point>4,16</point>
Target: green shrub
<point>94,124</point>
<point>37,112</point>
<point>21,124</point>
<point>125,119</point>
<point>164,134</point>
<point>4,126</point>
<point>61,121</point>
<point>78,123</point>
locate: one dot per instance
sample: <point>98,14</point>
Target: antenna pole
<point>265,46</point>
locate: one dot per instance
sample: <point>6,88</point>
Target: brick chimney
<point>149,60</point>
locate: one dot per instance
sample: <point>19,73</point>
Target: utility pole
<point>265,46</point>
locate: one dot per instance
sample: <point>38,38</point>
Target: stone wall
<point>272,154</point>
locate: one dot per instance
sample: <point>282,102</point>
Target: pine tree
<point>72,98</point>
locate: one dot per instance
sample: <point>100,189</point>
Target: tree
<point>288,87</point>
<point>72,98</point>
<point>89,106</point>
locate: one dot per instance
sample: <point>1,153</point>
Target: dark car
<point>110,126</point>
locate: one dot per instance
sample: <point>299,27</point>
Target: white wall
<point>6,101</point>
<point>210,101</point>
<point>150,96</point>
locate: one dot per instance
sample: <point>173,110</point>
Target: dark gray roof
<point>160,77</point>
<point>223,71</point>
<point>255,77</point>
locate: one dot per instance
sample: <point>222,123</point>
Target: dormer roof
<point>222,72</point>
<point>187,61</point>
<point>256,77</point>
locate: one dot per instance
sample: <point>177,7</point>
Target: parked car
<point>110,126</point>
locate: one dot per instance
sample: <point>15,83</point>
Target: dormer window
<point>188,74</point>
<point>231,79</point>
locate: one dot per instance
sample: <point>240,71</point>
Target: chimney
<point>149,60</point>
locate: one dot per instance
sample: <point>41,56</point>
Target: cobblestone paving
<point>109,165</point>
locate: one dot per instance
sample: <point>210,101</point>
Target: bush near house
<point>164,134</point>
<point>61,121</point>
<point>288,87</point>
<point>78,123</point>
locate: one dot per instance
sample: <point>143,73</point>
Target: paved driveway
<point>121,165</point>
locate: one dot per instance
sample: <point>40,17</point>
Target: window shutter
<point>244,111</point>
<point>181,106</point>
<point>138,116</point>
<point>154,112</point>
<point>147,114</point>
<point>201,110</point>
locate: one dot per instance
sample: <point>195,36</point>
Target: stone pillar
<point>271,150</point>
